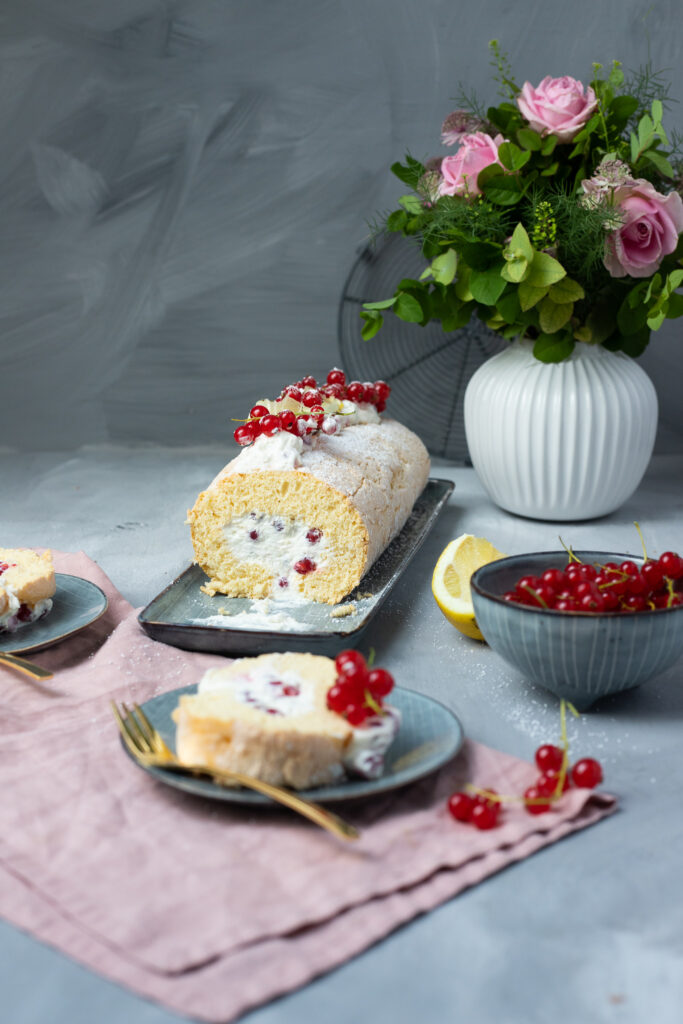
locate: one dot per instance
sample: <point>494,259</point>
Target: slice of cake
<point>27,584</point>
<point>322,486</point>
<point>268,717</point>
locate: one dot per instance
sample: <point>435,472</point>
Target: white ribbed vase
<point>560,441</point>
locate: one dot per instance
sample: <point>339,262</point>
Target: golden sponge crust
<point>30,576</point>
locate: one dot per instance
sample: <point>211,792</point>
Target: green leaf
<point>397,220</point>
<point>621,108</point>
<point>529,139</point>
<point>630,321</point>
<point>501,189</point>
<point>551,169</point>
<point>655,322</point>
<point>553,317</point>
<point>660,162</point>
<point>487,286</point>
<point>553,348</point>
<point>512,156</point>
<point>549,145</point>
<point>480,255</point>
<point>408,308</point>
<point>520,244</point>
<point>383,304</point>
<point>443,267</point>
<point>411,203</point>
<point>508,306</point>
<point>529,295</point>
<point>545,270</point>
<point>583,334</point>
<point>462,285</point>
<point>675,306</point>
<point>657,111</point>
<point>674,280</point>
<point>635,344</point>
<point>410,172</point>
<point>600,322</point>
<point>515,270</point>
<point>373,322</point>
<point>635,149</point>
<point>645,131</point>
<point>566,290</point>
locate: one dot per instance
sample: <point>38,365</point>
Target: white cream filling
<point>9,620</point>
<point>284,693</point>
<point>277,543</point>
<point>288,694</point>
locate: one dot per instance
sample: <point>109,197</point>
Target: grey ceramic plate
<point>429,737</point>
<point>179,614</point>
<point>76,604</point>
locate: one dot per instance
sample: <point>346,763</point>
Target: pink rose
<point>558,106</point>
<point>477,151</point>
<point>650,226</point>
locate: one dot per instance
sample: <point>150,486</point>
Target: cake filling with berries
<point>321,460</point>
<point>27,585</point>
<point>285,547</point>
<point>270,718</point>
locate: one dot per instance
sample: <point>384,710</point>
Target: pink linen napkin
<point>211,908</point>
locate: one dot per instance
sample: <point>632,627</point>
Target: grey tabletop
<point>586,931</point>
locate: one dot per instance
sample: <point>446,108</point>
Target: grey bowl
<point>579,656</point>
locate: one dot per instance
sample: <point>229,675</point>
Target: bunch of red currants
<point>358,690</point>
<point>613,587</point>
<point>311,418</point>
<point>483,809</point>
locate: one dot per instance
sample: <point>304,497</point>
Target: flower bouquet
<point>556,219</point>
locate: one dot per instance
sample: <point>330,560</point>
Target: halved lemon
<point>451,579</point>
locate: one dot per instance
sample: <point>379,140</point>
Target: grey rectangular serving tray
<point>172,617</point>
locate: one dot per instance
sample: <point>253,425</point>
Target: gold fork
<point>147,746</point>
<point>22,665</point>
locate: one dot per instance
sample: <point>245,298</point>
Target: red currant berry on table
<point>487,798</point>
<point>587,773</point>
<point>380,682</point>
<point>533,801</point>
<point>548,758</point>
<point>460,806</point>
<point>485,816</point>
<point>258,411</point>
<point>548,783</point>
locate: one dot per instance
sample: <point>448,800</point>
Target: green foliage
<point>524,248</point>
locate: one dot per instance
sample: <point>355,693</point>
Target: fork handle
<point>320,815</point>
<point>22,665</point>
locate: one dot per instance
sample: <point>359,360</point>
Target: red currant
<point>380,682</point>
<point>356,391</point>
<point>310,398</point>
<point>671,564</point>
<point>549,782</point>
<point>288,421</point>
<point>270,425</point>
<point>554,578</point>
<point>336,376</point>
<point>245,433</point>
<point>356,714</point>
<point>653,574</point>
<point>382,390</point>
<point>308,382</point>
<point>633,603</point>
<point>587,773</point>
<point>531,795</point>
<point>349,657</point>
<point>293,392</point>
<point>258,411</point>
<point>485,816</point>
<point>549,757</point>
<point>460,806</point>
<point>337,698</point>
<point>304,566</point>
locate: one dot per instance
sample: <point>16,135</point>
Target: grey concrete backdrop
<point>184,186</point>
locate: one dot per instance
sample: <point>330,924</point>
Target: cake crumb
<point>365,596</point>
<point>342,611</point>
